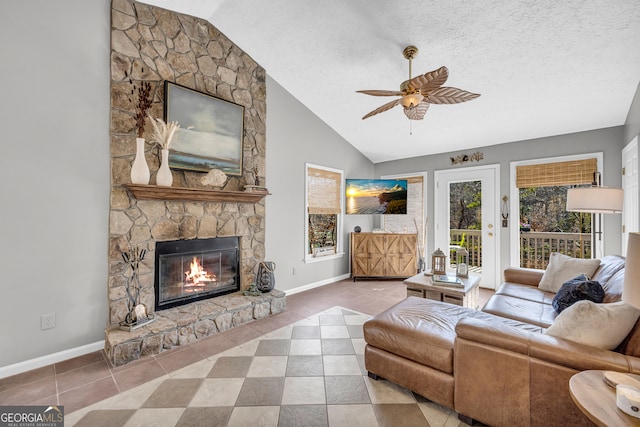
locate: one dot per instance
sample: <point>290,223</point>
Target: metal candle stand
<point>137,315</point>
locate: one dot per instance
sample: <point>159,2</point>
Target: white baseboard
<point>317,284</point>
<point>39,362</point>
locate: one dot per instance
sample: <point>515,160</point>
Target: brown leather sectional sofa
<point>495,365</point>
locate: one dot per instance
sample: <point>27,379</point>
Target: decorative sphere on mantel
<point>214,178</point>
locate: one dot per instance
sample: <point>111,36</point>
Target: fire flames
<point>198,276</point>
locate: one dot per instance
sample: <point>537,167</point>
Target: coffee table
<point>423,286</point>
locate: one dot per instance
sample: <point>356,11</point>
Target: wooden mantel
<point>154,192</point>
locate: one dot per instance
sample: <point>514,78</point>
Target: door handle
<point>490,234</point>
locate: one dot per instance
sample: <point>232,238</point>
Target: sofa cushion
<point>599,325</point>
<point>527,292</point>
<point>521,310</point>
<point>423,330</point>
<point>610,265</point>
<point>562,268</point>
<point>577,289</point>
<point>613,287</point>
<point>631,344</point>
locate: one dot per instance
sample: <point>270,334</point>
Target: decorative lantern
<point>462,263</point>
<point>439,262</point>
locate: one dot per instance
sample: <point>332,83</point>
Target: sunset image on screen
<point>376,196</point>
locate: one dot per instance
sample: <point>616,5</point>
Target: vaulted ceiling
<point>542,67</point>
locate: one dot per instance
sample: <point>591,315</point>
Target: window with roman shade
<point>573,172</point>
<point>545,226</point>
<point>324,190</point>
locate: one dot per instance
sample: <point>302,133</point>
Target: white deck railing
<point>535,247</point>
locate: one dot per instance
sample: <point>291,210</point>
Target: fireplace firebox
<point>193,270</point>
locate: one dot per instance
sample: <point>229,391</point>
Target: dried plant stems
<point>163,132</point>
<point>142,104</point>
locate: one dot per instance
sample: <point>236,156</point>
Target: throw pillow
<point>599,325</point>
<point>562,268</point>
<point>576,290</point>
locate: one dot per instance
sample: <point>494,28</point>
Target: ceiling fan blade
<point>450,95</point>
<point>383,108</point>
<point>381,92</point>
<point>429,81</point>
<point>417,112</point>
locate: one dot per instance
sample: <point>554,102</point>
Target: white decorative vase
<point>140,170</point>
<point>164,178</point>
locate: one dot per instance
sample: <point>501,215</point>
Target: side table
<point>597,400</point>
<point>423,286</point>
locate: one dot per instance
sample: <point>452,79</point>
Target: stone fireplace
<point>192,270</point>
<point>151,44</point>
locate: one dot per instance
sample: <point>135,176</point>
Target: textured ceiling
<point>542,67</point>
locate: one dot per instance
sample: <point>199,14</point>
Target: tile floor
<point>289,347</point>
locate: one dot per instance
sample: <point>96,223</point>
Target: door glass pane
<point>546,227</point>
<point>465,222</point>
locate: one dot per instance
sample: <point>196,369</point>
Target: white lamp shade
<point>595,200</point>
<point>631,289</point>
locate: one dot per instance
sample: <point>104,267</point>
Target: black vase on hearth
<point>265,279</point>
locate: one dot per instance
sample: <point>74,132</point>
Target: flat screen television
<point>376,196</point>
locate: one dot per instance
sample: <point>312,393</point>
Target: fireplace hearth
<point>193,270</point>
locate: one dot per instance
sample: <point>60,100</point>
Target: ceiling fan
<point>419,92</point>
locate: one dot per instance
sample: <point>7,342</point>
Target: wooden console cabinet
<point>387,255</point>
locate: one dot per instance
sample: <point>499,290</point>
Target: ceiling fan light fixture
<point>417,93</point>
<point>411,100</point>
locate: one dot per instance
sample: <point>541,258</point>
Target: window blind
<point>559,173</point>
<point>323,191</point>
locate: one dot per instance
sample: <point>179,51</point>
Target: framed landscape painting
<point>210,133</point>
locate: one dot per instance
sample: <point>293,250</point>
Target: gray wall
<point>54,170</point>
<point>296,136</point>
<point>609,141</point>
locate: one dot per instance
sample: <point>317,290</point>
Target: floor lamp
<point>596,200</point>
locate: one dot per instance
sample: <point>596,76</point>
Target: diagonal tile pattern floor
<point>87,380</point>
<point>310,373</point>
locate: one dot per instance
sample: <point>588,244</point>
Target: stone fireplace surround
<point>153,44</point>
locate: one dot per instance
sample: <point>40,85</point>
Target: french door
<point>483,234</point>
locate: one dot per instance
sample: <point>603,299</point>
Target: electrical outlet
<point>47,321</point>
